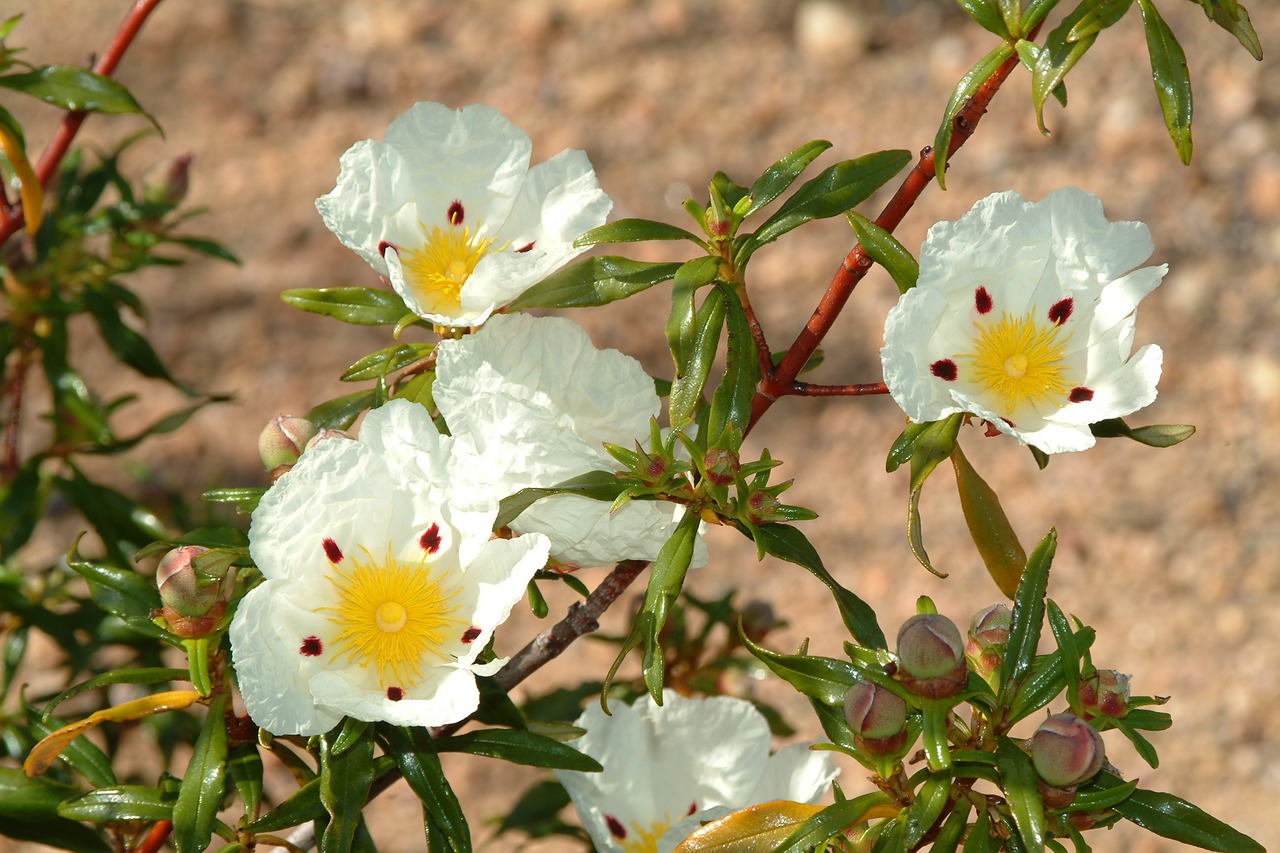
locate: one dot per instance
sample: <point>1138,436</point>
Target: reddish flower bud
<point>193,601</point>
<point>282,442</point>
<point>167,182</point>
<point>1066,751</point>
<point>877,717</point>
<point>931,656</point>
<point>721,466</point>
<point>758,619</point>
<point>988,635</point>
<point>1106,692</point>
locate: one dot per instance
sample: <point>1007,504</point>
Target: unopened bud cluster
<point>931,661</point>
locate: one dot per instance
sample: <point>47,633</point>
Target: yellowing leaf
<point>29,187</point>
<point>755,829</point>
<point>46,751</point>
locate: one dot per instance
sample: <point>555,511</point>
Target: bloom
<point>382,583</point>
<point>1024,315</point>
<point>669,768</point>
<point>449,211</point>
<point>536,402</point>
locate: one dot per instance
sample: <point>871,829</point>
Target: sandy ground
<point>1171,554</point>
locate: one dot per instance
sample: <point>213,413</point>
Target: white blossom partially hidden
<point>382,583</point>
<point>536,402</point>
<point>670,768</point>
<point>449,211</point>
<point>1024,315</point>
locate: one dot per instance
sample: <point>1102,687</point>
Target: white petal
<point>373,202</point>
<point>796,773</point>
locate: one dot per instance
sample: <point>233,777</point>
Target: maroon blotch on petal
<point>693,807</point>
<point>456,213</point>
<point>982,300</point>
<point>332,551</point>
<point>1080,394</point>
<point>430,540</point>
<point>311,646</point>
<point>1061,310</point>
<point>616,829</point>
<point>395,694</point>
<point>527,246</point>
<point>944,369</point>
<point>469,635</point>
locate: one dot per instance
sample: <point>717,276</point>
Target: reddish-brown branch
<point>781,381</point>
<point>156,837</point>
<point>808,389</point>
<point>70,126</point>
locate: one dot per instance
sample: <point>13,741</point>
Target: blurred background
<point>1171,554</point>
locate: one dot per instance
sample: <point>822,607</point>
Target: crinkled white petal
<point>455,169</point>
<point>536,402</point>
<point>351,503</point>
<point>678,764</point>
<point>1027,259</point>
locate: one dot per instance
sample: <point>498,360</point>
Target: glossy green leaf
<point>1100,794</point>
<point>121,592</point>
<point>837,189</point>
<point>937,747</point>
<point>1021,786</point>
<point>203,783</point>
<point>1172,79</point>
<point>21,506</point>
<point>346,774</point>
<point>1234,18</point>
<point>968,86</point>
<point>76,89</point>
<point>1066,44</point>
<point>634,231</point>
<point>599,485</point>
<point>1044,680</point>
<point>1028,615</point>
<point>953,828</point>
<point>987,15</point>
<point>387,360</point>
<point>696,360</point>
<point>341,412</point>
<point>883,248</point>
<point>731,402</point>
<point>127,345</point>
<point>825,679</point>
<point>363,306</point>
<point>1153,435</point>
<point>1066,639</point>
<point>415,753</point>
<point>1174,818</point>
<point>788,543</point>
<point>831,821</point>
<point>301,806</point>
<point>929,446</point>
<point>1145,749</point>
<point>520,747</point>
<point>29,812</point>
<point>989,527</point>
<point>1034,13</point>
<point>594,281</point>
<point>121,802</point>
<point>666,577</point>
<point>246,499</point>
<point>244,771</point>
<point>923,814</point>
<point>782,174</point>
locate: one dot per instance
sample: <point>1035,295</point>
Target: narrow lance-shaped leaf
<point>835,819</point>
<point>1066,44</point>
<point>1173,81</point>
<point>594,281</point>
<point>415,753</point>
<point>634,231</point>
<point>665,580</point>
<point>29,812</point>
<point>346,774</point>
<point>731,402</point>
<point>929,447</point>
<point>987,15</point>
<point>517,746</point>
<point>1234,18</point>
<point>692,375</point>
<point>200,795</point>
<point>965,89</point>
<point>363,306</point>
<point>883,248</point>
<point>600,485</point>
<point>1021,786</point>
<point>1174,818</point>
<point>992,534</point>
<point>1028,615</point>
<point>782,174</point>
<point>76,89</point>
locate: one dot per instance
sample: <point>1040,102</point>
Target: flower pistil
<point>1021,361</point>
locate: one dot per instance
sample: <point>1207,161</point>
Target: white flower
<point>669,768</point>
<point>1024,315</point>
<point>382,584</point>
<point>537,402</point>
<point>449,211</point>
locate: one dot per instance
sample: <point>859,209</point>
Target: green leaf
<point>929,446</point>
<point>127,345</point>
<point>415,753</point>
<point>665,580</point>
<point>1066,640</point>
<point>118,803</point>
<point>837,189</point>
<point>145,675</point>
<point>75,89</point>
<point>731,402</point>
<point>684,338</point>
<point>29,812</point>
<point>1234,18</point>
<point>1021,786</point>
<point>301,806</point>
<point>1066,44</point>
<point>884,249</point>
<point>120,592</point>
<point>994,536</point>
<point>1145,749</point>
<point>387,360</point>
<point>825,679</point>
<point>1034,13</point>
<point>968,86</point>
<point>986,13</point>
<point>341,412</point>
<point>634,231</point>
<point>1044,681</point>
<point>931,799</point>
<point>121,523</point>
<point>782,174</point>
<point>694,362</point>
<point>1173,81</point>
<point>1154,435</point>
<point>787,543</point>
<point>346,774</point>
<point>363,306</point>
<point>1174,818</point>
<point>599,485</point>
<point>21,506</point>
<point>949,837</point>
<point>594,281</point>
<point>1028,616</point>
<point>244,770</point>
<point>520,747</point>
<point>246,499</point>
<point>831,821</point>
<point>203,784</point>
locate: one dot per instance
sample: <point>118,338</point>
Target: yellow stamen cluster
<point>445,261</point>
<point>645,841</point>
<point>1021,361</point>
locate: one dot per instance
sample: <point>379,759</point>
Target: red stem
<point>781,381</point>
<point>156,837</point>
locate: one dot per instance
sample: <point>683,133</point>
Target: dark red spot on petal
<point>693,807</point>
<point>527,246</point>
<point>383,245</point>
<point>1080,394</point>
<point>944,369</point>
<point>616,829</point>
<point>430,540</point>
<point>395,694</point>
<point>982,300</point>
<point>311,646</point>
<point>1061,310</point>
<point>456,213</point>
<point>332,551</point>
<point>1010,423</point>
<point>469,635</point>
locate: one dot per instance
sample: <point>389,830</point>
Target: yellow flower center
<point>645,841</point>
<point>1021,362</point>
<point>393,616</point>
<point>447,258</point>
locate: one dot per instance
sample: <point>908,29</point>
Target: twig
<point>780,382</point>
<point>808,389</point>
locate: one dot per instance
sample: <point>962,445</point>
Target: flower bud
<point>1066,751</point>
<point>282,442</point>
<point>931,656</point>
<point>721,466</point>
<point>877,717</point>
<point>167,182</point>
<point>988,635</point>
<point>1106,692</point>
<point>193,601</point>
<point>758,619</point>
